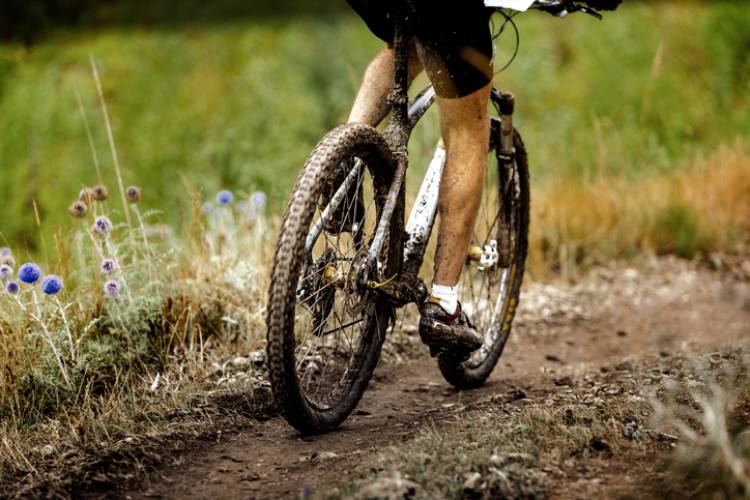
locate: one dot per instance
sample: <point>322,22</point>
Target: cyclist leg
<point>371,105</point>
<point>465,127</point>
<point>456,51</point>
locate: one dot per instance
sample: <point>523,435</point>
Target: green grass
<point>239,104</point>
<point>554,439</point>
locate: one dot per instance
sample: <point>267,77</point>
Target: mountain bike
<point>334,294</point>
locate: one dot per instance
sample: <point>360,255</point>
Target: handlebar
<point>562,8</point>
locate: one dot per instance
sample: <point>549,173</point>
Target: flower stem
<point>93,241</point>
<point>67,329</point>
<point>90,137</point>
<point>36,302</point>
<point>111,139</point>
<point>113,254</point>
<point>140,222</point>
<point>20,304</point>
<point>147,249</point>
<point>52,346</point>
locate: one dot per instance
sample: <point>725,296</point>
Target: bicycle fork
<point>506,155</point>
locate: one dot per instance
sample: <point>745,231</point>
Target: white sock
<point>448,297</point>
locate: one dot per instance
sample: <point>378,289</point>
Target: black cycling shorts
<point>453,40</point>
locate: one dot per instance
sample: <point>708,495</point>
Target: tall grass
<point>708,416</point>
<point>142,316</point>
<point>687,211</point>
<point>240,104</point>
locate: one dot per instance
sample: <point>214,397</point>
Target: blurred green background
<point>234,94</point>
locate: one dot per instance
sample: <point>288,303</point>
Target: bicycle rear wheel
<point>326,330</point>
<point>491,280</point>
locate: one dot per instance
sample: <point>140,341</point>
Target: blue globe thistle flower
<point>6,271</point>
<point>5,252</point>
<point>108,266</point>
<point>258,200</point>
<point>112,288</point>
<point>51,284</point>
<point>102,226</point>
<point>29,273</point>
<point>207,208</point>
<point>12,287</point>
<point>224,197</point>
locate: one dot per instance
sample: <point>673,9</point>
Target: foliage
<point>524,446</point>
<point>136,315</point>
<point>644,94</point>
<point>709,416</point>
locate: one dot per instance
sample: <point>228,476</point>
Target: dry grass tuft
<point>146,321</point>
<point>702,207</point>
<point>507,447</point>
<point>709,416</point>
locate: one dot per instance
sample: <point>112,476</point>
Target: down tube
<point>422,215</point>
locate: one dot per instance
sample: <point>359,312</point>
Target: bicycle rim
<point>488,290</point>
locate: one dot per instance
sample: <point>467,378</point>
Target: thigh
<point>455,45</point>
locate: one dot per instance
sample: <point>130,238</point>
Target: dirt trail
<point>615,316</point>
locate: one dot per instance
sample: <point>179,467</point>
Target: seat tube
<point>422,216</point>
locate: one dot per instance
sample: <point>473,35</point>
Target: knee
<point>465,120</point>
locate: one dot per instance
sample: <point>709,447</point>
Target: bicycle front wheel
<point>325,328</point>
<point>491,280</point>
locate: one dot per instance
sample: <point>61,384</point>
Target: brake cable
<point>508,20</point>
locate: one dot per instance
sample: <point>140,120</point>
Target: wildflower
<point>112,288</point>
<point>133,194</point>
<point>100,192</point>
<point>224,197</point>
<point>12,287</point>
<point>207,208</point>
<point>78,210</point>
<point>29,273</point>
<point>258,200</point>
<point>51,284</point>
<point>102,226</point>
<point>8,260</point>
<point>86,195</point>
<point>108,266</point>
<point>5,252</point>
<point>6,271</point>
